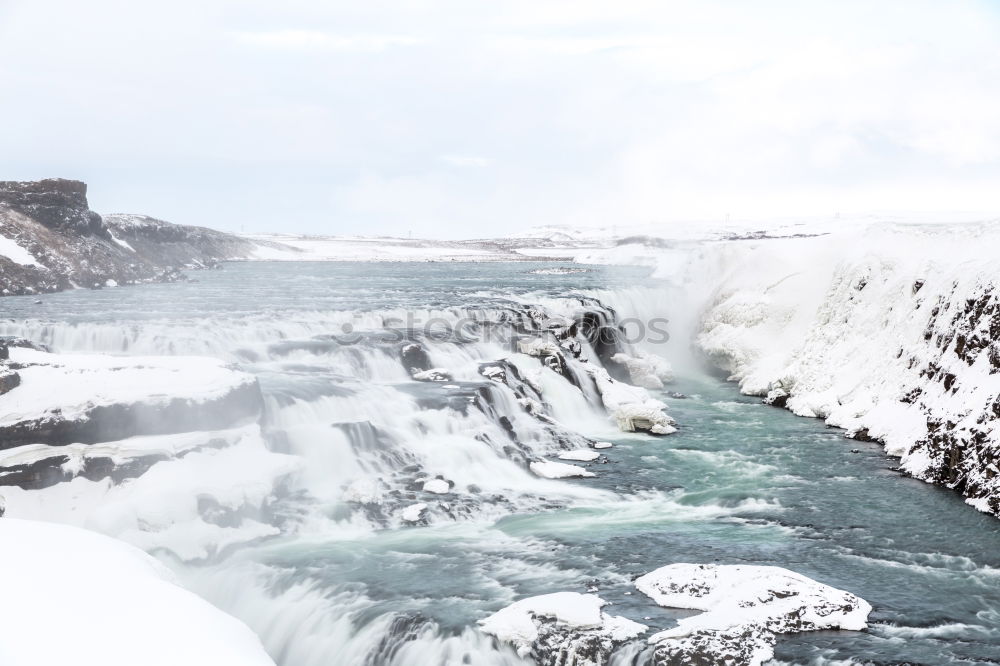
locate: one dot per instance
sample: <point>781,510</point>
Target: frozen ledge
<point>107,604</point>
<point>66,398</point>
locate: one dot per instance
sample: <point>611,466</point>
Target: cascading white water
<point>267,520</point>
<point>368,438</point>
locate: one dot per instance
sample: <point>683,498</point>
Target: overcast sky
<point>462,118</point>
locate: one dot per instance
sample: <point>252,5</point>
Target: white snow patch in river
<point>555,470</point>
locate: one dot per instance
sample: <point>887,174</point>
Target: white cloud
<point>347,117</point>
<point>466,161</point>
<point>317,40</point>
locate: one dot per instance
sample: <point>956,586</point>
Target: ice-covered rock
<point>555,470</point>
<point>581,455</point>
<point>565,628</point>
<point>432,375</point>
<point>631,406</point>
<point>603,445</point>
<point>777,396</point>
<point>645,369</point>
<point>437,486</point>
<point>634,416</point>
<point>9,380</point>
<point>413,513</point>
<point>71,596</point>
<point>363,491</point>
<point>548,352</point>
<point>493,372</point>
<point>745,607</point>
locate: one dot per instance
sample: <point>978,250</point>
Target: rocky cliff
<point>51,240</point>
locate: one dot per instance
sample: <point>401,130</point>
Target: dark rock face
<point>966,330</point>
<point>738,647</point>
<point>54,202</point>
<point>8,379</point>
<point>414,358</point>
<point>600,329</point>
<point>72,246</point>
<point>177,245</point>
<point>556,646</point>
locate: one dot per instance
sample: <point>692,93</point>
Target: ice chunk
<point>556,470</point>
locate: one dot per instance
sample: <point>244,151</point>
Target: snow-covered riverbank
<point>889,331</point>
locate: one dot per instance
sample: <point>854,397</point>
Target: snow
<point>631,406</point>
<point>634,417</point>
<point>9,248</point>
<point>121,242</point>
<point>433,375</point>
<point>163,509</point>
<point>744,608</point>
<point>360,248</point>
<point>75,597</point>
<point>538,347</point>
<point>571,612</point>
<point>646,369</point>
<point>494,372</point>
<point>884,332</point>
<point>125,450</point>
<point>437,486</point>
<point>558,270</point>
<point>412,513</point>
<point>555,470</point>
<point>583,455</point>
<point>603,445</point>
<point>363,491</point>
<point>68,386</point>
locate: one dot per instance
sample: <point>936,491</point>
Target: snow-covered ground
<point>72,596</point>
<point>290,247</point>
<point>70,387</point>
